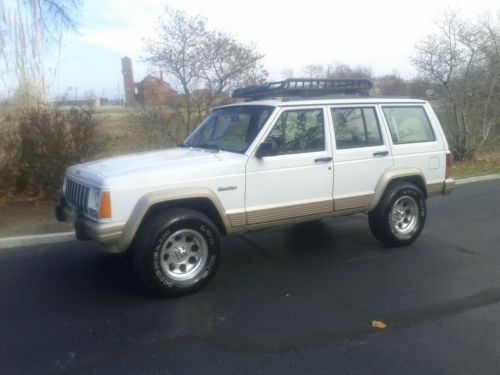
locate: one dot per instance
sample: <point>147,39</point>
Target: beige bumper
<point>107,234</point>
<point>448,186</point>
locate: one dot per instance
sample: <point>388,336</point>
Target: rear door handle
<point>323,160</point>
<point>381,153</point>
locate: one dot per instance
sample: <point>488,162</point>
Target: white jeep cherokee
<point>258,164</point>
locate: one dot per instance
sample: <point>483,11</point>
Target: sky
<point>291,34</point>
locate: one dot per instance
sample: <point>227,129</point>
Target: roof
<point>329,101</point>
<point>152,78</point>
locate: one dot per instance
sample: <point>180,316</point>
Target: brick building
<point>151,91</point>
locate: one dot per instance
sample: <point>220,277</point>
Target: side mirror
<point>266,149</point>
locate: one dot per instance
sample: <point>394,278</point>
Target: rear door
<point>361,154</point>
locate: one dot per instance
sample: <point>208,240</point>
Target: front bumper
<point>448,186</point>
<point>107,234</point>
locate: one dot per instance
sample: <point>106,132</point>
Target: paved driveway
<point>295,299</point>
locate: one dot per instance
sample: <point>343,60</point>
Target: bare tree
<point>462,57</point>
<point>314,71</point>
<point>56,15</point>
<point>337,71</point>
<point>26,30</point>
<point>227,64</point>
<point>341,71</point>
<point>206,64</point>
<point>176,50</point>
<point>392,84</point>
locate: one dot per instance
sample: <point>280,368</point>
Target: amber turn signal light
<point>105,208</point>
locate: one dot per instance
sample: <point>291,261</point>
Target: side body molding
<point>165,196</point>
<point>392,175</point>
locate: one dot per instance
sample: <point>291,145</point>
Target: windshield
<point>230,128</point>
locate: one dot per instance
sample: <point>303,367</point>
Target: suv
<point>260,163</point>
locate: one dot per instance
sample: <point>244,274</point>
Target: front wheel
<point>177,251</point>
<point>400,215</point>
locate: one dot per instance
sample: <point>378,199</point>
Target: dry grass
<point>483,165</point>
<point>124,134</point>
<point>125,130</point>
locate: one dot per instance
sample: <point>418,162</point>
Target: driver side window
<point>298,131</point>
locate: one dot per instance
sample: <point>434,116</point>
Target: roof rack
<point>304,87</point>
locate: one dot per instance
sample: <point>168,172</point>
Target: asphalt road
<point>288,300</point>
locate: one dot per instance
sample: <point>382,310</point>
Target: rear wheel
<point>400,216</point>
<point>177,251</point>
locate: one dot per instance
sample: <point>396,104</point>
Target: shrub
<point>7,171</point>
<point>160,126</point>
<point>42,141</point>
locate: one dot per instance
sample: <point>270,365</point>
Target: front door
<point>298,180</point>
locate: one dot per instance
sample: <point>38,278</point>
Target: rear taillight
<point>449,164</point>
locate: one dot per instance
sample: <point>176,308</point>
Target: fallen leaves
<point>378,324</point>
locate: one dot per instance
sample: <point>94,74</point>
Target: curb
<point>44,239</point>
<point>478,179</point>
<point>35,240</point>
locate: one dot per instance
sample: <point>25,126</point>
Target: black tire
<point>407,202</point>
<point>169,248</point>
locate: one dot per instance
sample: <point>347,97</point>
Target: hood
<point>177,163</point>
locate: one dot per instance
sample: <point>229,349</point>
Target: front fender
<point>171,195</point>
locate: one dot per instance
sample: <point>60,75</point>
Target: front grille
<point>77,195</point>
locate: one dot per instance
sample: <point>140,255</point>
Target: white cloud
<point>381,34</point>
<point>120,39</point>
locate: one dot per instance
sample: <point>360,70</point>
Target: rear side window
<point>356,127</point>
<point>408,125</point>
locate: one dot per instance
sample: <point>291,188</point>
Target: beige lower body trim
<point>349,203</point>
<point>238,219</point>
<point>434,189</point>
<point>287,221</point>
<point>298,212</point>
<point>290,211</point>
<point>277,215</point>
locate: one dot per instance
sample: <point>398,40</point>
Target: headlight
<point>99,204</point>
<point>94,202</point>
<point>64,186</point>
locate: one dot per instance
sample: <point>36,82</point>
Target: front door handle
<point>381,153</point>
<point>323,160</point>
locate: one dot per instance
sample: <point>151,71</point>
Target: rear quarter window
<point>408,124</point>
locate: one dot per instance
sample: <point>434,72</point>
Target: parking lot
<point>295,299</point>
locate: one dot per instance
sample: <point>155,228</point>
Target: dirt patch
<point>18,219</point>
